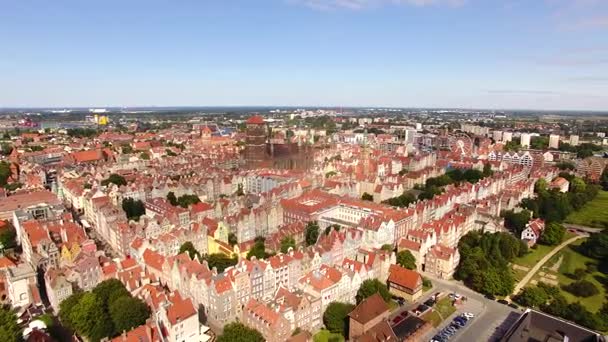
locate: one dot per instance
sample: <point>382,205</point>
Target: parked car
<point>468,315</point>
<point>502,301</point>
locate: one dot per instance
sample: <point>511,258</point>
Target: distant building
<point>507,136</point>
<point>574,140</point>
<point>554,141</point>
<point>262,149</point>
<point>525,140</point>
<point>537,326</point>
<point>533,231</point>
<point>497,136</point>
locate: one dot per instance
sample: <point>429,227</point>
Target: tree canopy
<point>104,312</point>
<point>367,197</point>
<point>312,233</point>
<point>370,287</point>
<point>286,243</point>
<point>10,330</point>
<point>516,222</point>
<point>553,234</point>
<point>484,261</point>
<point>219,260</point>
<point>237,332</point>
<point>133,208</point>
<point>114,178</point>
<point>190,249</point>
<point>335,317</point>
<point>406,259</point>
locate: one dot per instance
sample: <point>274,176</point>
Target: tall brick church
<point>264,151</point>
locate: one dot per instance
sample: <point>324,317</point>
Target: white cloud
<point>362,4</point>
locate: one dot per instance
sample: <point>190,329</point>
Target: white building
<point>574,140</point>
<point>525,140</point>
<point>507,136</point>
<point>553,141</point>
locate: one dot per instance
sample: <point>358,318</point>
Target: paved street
<point>489,314</point>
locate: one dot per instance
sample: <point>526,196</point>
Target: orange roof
<point>87,156</point>
<point>6,263</point>
<point>256,120</point>
<point>180,309</point>
<point>404,277</point>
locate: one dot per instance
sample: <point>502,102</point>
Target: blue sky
<point>537,54</point>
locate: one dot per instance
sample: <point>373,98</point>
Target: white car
<point>468,315</point>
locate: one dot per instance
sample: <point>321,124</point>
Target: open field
<point>533,256</point>
<point>593,214</point>
<point>571,260</point>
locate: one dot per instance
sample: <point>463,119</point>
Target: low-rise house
<point>561,184</point>
<point>366,316</point>
<point>533,231</point>
<point>404,283</point>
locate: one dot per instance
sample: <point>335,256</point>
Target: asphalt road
<point>491,318</point>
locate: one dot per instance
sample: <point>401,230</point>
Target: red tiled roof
<point>256,120</point>
<point>180,309</point>
<point>404,277</point>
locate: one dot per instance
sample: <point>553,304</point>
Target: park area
<point>593,214</point>
<point>568,266</point>
<point>441,311</point>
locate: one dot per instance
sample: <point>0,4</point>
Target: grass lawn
<point>533,256</point>
<point>593,214</point>
<point>326,336</point>
<point>442,310</point>
<point>570,262</point>
<point>518,274</point>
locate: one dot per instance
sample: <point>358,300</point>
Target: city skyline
<point>331,53</point>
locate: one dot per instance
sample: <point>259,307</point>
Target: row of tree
<point>106,311</point>
<point>554,206</point>
<point>484,261</point>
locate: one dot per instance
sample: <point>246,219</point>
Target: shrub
<point>582,288</point>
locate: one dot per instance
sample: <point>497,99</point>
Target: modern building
<point>525,140</point>
<point>554,141</point>
<point>507,136</point>
<point>574,140</point>
<point>538,326</point>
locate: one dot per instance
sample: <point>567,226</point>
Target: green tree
<point>533,297</point>
<point>171,198</point>
<point>66,307</point>
<point>144,156</point>
<point>188,247</point>
<point>596,246</point>
<point>10,331</point>
<point>577,185</point>
<point>109,290</point>
<point>553,234</point>
<point>237,332</point>
<point>8,236</point>
<point>133,208</point>
<point>312,233</point>
<point>335,317</point>
<point>232,239</point>
<point>582,288</point>
<point>516,222</point>
<point>5,172</point>
<point>370,287</point>
<point>128,313</point>
<point>367,197</point>
<point>406,259</point>
<point>286,243</point>
<point>258,250</point>
<point>90,319</point>
<point>114,179</point>
<point>387,247</point>
<point>185,201</point>
<point>219,261</point>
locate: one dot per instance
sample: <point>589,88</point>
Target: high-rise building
<point>574,140</point>
<point>507,136</point>
<point>497,136</point>
<point>525,140</point>
<point>553,141</point>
